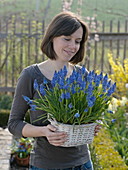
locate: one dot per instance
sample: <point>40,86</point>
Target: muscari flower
<point>70,80</point>
<point>36,86</point>
<point>66,86</point>
<point>65,95</point>
<point>27,99</point>
<point>100,76</point>
<point>64,71</point>
<point>113,120</point>
<point>77,115</point>
<point>73,91</point>
<point>33,107</point>
<point>111,89</point>
<point>91,101</point>
<point>104,82</point>
<point>114,87</point>
<point>109,111</point>
<point>61,83</point>
<point>45,81</point>
<point>83,70</point>
<point>42,90</point>
<point>93,74</point>
<point>89,77</point>
<point>90,89</point>
<point>101,95</point>
<point>54,79</point>
<point>97,79</point>
<point>62,96</point>
<point>79,79</point>
<point>70,105</point>
<point>86,110</point>
<point>108,84</point>
<point>83,85</point>
<point>60,100</point>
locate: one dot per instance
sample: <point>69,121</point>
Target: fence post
<point>13,48</point>
<point>0,56</point>
<point>6,51</point>
<point>118,41</point>
<point>29,41</point>
<point>125,41</point>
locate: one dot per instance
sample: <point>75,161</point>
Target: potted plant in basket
<point>78,102</point>
<point>20,151</point>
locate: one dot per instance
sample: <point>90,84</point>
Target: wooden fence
<point>20,46</point>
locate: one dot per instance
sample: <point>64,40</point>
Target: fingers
<point>97,129</point>
<point>51,127</point>
<point>54,137</point>
<point>57,139</point>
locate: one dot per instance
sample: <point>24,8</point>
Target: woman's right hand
<point>53,136</point>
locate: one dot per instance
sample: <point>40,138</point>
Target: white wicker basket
<point>77,134</point>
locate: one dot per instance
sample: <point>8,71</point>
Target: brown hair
<point>65,23</point>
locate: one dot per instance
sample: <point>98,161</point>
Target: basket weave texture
<point>77,134</point>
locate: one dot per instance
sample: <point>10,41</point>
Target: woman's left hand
<point>97,129</point>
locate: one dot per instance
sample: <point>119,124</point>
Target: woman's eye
<point>77,42</point>
<point>67,39</point>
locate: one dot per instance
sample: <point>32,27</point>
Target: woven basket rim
<point>68,125</point>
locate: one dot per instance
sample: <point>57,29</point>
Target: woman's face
<point>66,47</point>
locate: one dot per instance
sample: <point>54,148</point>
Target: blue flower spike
<point>86,110</point>
<point>70,105</point>
<point>113,120</point>
<point>109,111</point>
<point>42,90</point>
<point>77,115</point>
<point>81,95</point>
<point>27,99</point>
<point>36,86</point>
<point>33,107</point>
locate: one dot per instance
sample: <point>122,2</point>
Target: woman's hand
<point>54,137</point>
<point>97,129</point>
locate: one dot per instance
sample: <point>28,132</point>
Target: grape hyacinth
<point>79,99</point>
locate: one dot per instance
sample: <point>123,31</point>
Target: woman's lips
<point>70,53</point>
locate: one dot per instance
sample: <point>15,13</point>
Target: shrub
<point>4,115</point>
<point>5,102</point>
<point>120,75</point>
<point>117,127</point>
<point>107,156</point>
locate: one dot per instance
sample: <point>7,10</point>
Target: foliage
<point>4,116</point>
<point>115,103</point>
<point>5,102</point>
<point>107,156</point>
<point>94,157</point>
<point>22,147</point>
<point>117,126</point>
<point>120,75</point>
<point>78,99</point>
<point>101,9</point>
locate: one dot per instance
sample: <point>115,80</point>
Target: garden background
<point>22,25</point>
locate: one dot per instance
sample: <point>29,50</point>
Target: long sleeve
<point>19,106</point>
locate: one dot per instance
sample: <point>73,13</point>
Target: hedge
<point>106,155</point>
<point>4,115</point>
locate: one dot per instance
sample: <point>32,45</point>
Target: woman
<point>64,45</point>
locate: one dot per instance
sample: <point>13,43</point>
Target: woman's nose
<point>72,44</point>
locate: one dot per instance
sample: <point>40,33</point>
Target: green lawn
<point>103,9</point>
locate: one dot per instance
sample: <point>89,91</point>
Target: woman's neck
<point>48,68</point>
<point>57,65</point>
